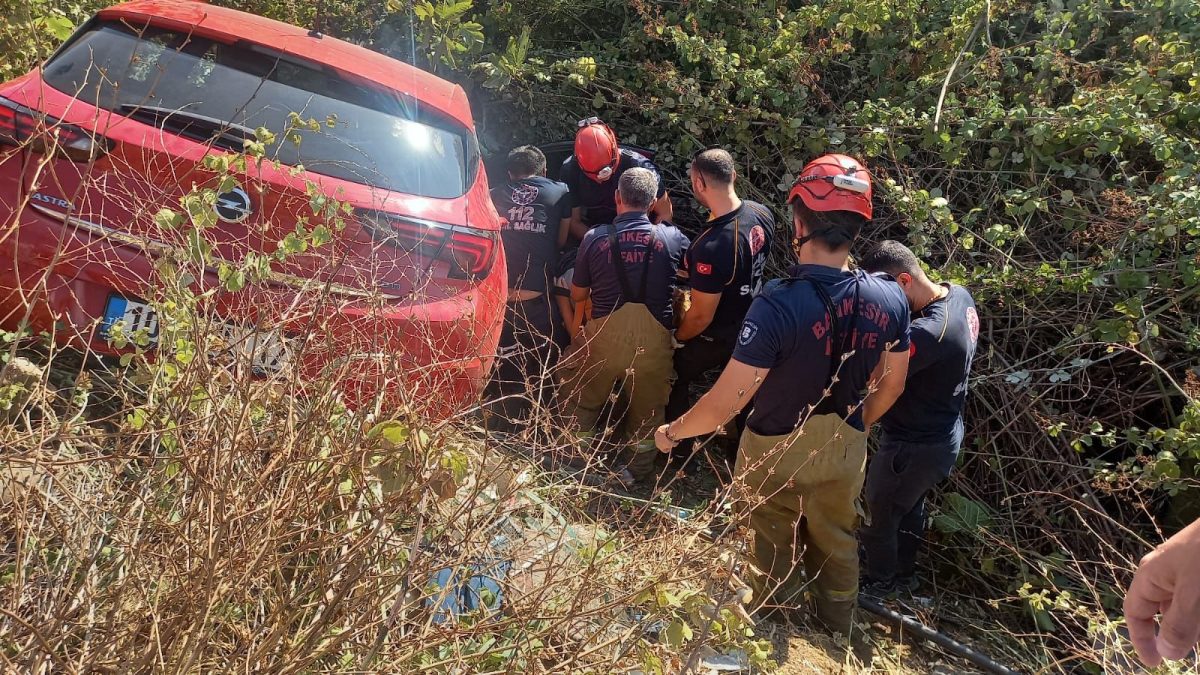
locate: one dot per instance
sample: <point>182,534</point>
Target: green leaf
<point>201,213</point>
<point>961,515</point>
<point>292,244</point>
<point>321,235</point>
<point>137,419</point>
<point>59,27</point>
<point>168,219</point>
<point>233,279</point>
<point>391,431</point>
<point>677,634</point>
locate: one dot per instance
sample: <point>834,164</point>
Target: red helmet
<point>834,183</point>
<point>596,150</point>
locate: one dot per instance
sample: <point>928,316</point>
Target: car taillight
<point>471,252</point>
<point>21,126</point>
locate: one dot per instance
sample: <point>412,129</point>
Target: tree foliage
<point>1044,154</point>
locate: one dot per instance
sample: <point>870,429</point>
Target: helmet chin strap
<point>798,242</point>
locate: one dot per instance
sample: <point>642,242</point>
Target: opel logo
<point>233,206</point>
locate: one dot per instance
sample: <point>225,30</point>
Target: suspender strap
<point>614,247</point>
<point>614,252</point>
<point>837,340</point>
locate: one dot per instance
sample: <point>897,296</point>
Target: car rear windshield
<point>206,89</point>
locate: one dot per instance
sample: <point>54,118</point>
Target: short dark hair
<point>716,165</point>
<point>638,188</point>
<point>525,161</point>
<point>893,258</point>
<point>835,229</point>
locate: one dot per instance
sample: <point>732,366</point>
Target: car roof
<point>212,20</point>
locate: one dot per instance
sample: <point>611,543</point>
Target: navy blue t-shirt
<point>594,265</point>
<point>729,258</point>
<point>787,330</point>
<point>598,200</point>
<point>944,335</point>
<point>534,207</point>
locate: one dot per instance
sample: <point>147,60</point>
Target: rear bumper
<point>434,356</point>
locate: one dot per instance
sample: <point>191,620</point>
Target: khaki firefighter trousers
<point>631,348</point>
<point>801,494</point>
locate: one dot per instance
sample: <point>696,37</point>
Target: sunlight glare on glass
<point>416,135</point>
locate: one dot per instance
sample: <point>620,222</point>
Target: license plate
<point>133,316</point>
<point>265,351</point>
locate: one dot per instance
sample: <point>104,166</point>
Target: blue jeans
<point>899,478</point>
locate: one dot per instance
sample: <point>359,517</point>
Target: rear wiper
<point>202,126</point>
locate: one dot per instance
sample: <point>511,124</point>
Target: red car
<point>116,126</point>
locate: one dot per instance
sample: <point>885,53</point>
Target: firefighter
<point>725,267</point>
<point>537,214</point>
<point>592,174</point>
<point>922,433</point>
<point>627,270</point>
<point>823,354</point>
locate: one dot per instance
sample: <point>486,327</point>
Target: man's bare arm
<point>579,294</point>
<point>699,316</point>
<point>886,385</point>
<point>733,390</point>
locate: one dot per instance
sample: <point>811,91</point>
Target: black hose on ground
<point>925,632</point>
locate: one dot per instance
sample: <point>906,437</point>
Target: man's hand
<point>662,211</point>
<point>660,439</point>
<point>1167,582</point>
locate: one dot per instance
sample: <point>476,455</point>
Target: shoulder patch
<point>973,323</point>
<point>703,268</point>
<point>749,331</point>
<point>758,238</point>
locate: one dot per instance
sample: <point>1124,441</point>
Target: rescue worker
<point>923,431</point>
<point>823,354</point>
<point>627,269</point>
<point>536,210</point>
<point>592,174</point>
<point>725,267</point>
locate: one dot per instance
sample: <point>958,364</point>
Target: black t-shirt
<point>787,330</point>
<point>534,207</point>
<point>944,335</point>
<point>598,200</point>
<point>729,258</point>
<point>594,267</point>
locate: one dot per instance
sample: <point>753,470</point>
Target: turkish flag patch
<point>703,268</point>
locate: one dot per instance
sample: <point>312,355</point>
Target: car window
<point>366,134</point>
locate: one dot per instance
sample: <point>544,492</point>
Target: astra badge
<point>233,206</point>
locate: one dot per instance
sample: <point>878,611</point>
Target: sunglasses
<point>588,121</point>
